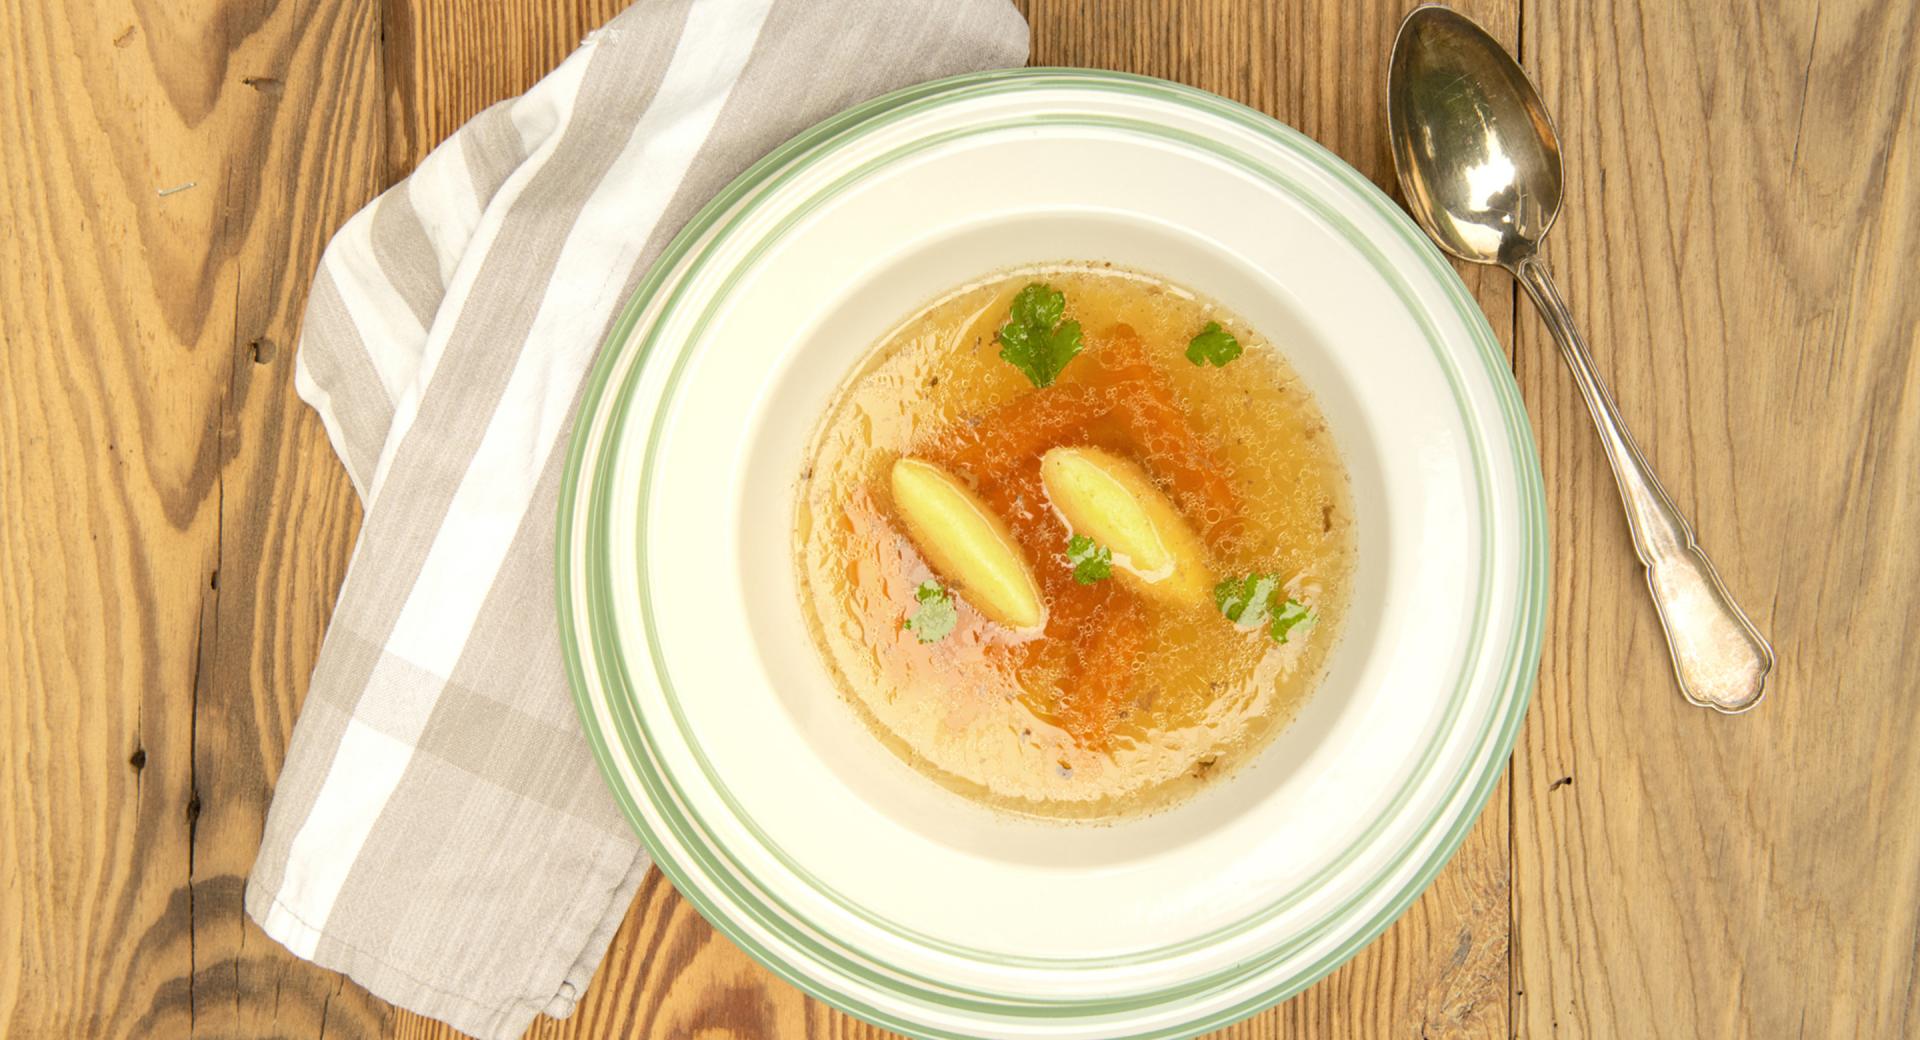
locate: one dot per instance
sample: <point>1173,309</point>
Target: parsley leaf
<point>1245,597</point>
<point>1090,562</point>
<point>1213,344</point>
<point>935,617</point>
<point>1034,339</point>
<point>1248,602</point>
<point>1291,615</point>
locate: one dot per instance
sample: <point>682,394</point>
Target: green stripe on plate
<point>601,413</point>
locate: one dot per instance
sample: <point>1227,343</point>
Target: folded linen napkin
<point>439,831</point>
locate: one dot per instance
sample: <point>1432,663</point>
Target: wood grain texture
<point>1740,242</point>
<point>175,523</point>
<point>1742,226</point>
<point>445,61</point>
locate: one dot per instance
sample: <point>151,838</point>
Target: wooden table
<point>1742,242</point>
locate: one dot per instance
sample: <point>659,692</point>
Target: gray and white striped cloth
<point>439,831</point>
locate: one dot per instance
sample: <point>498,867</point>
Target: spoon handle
<point>1721,660</point>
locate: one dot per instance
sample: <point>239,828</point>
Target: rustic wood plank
<point>445,62</point>
<point>1740,240</point>
<point>176,525</point>
<point>308,79</point>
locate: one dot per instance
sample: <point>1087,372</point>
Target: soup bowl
<point>759,791</point>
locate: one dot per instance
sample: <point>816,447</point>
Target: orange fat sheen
<point>938,461</point>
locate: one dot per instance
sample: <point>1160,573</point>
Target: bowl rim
<point>1485,759</point>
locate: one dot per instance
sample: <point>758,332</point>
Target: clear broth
<point>1122,705</point>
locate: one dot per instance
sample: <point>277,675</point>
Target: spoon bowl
<point>1473,145</point>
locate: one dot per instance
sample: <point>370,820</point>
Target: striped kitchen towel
<point>439,831</point>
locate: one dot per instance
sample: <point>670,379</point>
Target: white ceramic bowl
<point>758,790</point>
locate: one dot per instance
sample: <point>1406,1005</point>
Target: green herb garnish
<point>1291,615</point>
<point>1090,562</point>
<point>1237,596</point>
<point>935,617</point>
<point>1248,602</point>
<point>1213,344</point>
<point>1034,339</point>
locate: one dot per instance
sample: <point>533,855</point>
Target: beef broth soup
<point>1074,541</point>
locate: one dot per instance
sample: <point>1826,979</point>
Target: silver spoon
<point>1480,163</point>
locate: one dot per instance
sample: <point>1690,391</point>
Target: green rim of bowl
<point>1483,763</point>
<point>635,729</point>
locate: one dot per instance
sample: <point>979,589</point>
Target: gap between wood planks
<point>1513,755</point>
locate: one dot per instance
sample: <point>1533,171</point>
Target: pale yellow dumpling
<point>1112,501</point>
<point>966,544</point>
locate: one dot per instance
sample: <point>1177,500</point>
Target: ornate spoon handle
<point>1721,660</point>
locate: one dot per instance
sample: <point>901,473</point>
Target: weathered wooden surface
<point>1743,224</point>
